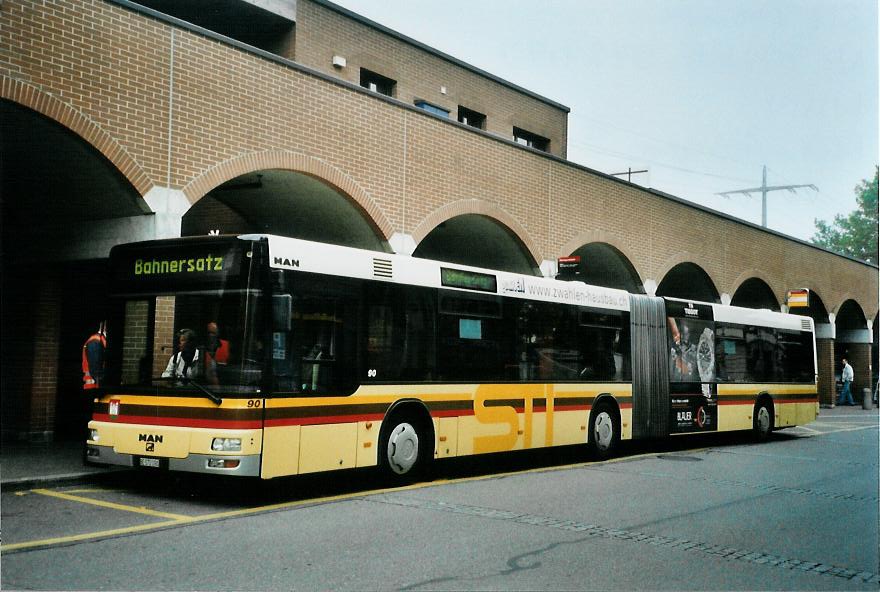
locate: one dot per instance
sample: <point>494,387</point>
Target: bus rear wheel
<point>403,449</point>
<point>604,431</point>
<point>762,421</point>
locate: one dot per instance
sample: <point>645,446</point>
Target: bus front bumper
<point>241,466</point>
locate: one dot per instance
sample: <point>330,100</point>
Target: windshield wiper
<point>202,388</point>
<point>186,380</point>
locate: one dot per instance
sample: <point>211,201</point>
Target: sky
<point>702,93</point>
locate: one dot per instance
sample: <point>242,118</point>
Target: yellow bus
<point>266,356</point>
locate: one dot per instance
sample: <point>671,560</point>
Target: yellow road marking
<point>181,520</point>
<point>112,505</point>
<point>89,535</point>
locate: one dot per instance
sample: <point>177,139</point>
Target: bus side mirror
<point>282,307</point>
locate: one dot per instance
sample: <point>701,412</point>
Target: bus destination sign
<point>469,280</point>
<point>173,268</point>
<point>208,263</point>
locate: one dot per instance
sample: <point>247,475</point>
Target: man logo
<point>285,262</point>
<point>150,447</point>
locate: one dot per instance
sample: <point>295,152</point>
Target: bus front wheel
<point>403,450</point>
<point>604,434</point>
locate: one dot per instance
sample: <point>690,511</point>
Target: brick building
<point>125,122</point>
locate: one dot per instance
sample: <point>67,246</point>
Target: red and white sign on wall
<point>798,298</point>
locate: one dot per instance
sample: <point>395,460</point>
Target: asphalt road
<point>799,512</point>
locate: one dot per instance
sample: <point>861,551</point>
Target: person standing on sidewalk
<point>847,378</point>
<point>93,362</point>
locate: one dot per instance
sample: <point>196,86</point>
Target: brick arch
<point>80,124</point>
<point>758,274</point>
<point>290,161</point>
<point>846,298</point>
<point>600,236</point>
<point>869,312</point>
<point>685,257</point>
<point>482,208</point>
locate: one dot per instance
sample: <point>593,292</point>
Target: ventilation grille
<point>382,268</point>
<point>806,325</point>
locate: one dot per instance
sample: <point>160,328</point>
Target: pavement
<point>27,465</point>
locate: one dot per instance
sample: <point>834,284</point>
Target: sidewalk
<point>26,466</point>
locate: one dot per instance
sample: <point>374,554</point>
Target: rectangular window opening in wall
<point>521,136</point>
<point>377,82</point>
<point>432,108</point>
<point>471,118</point>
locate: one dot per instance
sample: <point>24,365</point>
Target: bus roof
<point>753,316</point>
<point>300,255</point>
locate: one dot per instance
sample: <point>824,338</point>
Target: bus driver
<point>186,362</point>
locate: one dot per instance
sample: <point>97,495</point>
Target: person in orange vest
<point>93,362</point>
<point>218,348</point>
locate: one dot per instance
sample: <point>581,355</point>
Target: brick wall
<point>323,33</point>
<point>45,342</point>
<point>235,112</point>
<point>163,334</point>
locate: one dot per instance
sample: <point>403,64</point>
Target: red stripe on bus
<point>180,422</point>
<point>321,420</point>
<point>452,413</point>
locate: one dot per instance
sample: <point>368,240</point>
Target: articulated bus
<point>267,356</point>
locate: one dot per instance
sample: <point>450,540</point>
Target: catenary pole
<point>765,189</point>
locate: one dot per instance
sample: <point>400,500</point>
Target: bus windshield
<point>187,333</point>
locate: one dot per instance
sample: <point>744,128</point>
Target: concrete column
<point>825,368</point>
<point>169,206</point>
<point>402,243</point>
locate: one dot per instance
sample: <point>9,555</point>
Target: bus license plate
<point>153,463</point>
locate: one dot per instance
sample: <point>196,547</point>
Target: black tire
<point>603,437</point>
<point>404,449</point>
<point>762,420</point>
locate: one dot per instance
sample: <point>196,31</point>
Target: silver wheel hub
<point>603,430</point>
<point>403,448</point>
<point>763,420</point>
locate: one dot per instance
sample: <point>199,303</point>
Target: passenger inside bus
<point>216,354</point>
<point>186,362</point>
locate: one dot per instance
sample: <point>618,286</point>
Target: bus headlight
<point>93,435</point>
<point>226,445</point>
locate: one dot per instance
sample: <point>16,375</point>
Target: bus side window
<point>470,330</point>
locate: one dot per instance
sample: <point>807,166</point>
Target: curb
<point>63,479</point>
